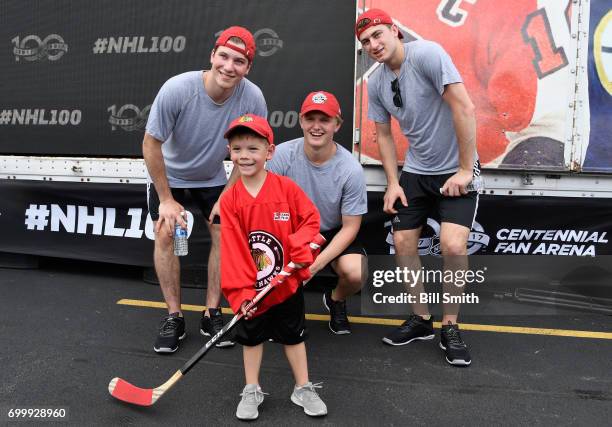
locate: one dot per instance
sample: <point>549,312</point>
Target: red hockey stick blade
<point>123,390</point>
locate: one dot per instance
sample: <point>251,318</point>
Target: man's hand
<point>394,192</point>
<point>456,185</point>
<point>170,212</point>
<point>247,314</point>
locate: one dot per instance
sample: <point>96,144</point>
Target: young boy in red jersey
<point>266,222</point>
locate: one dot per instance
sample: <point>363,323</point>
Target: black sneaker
<point>456,350</point>
<point>415,328</point>
<point>171,330</point>
<point>210,326</point>
<point>338,322</point>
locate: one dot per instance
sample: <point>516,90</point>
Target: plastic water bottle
<point>180,240</point>
<point>477,184</point>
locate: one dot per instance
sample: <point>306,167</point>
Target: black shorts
<point>355,247</point>
<point>204,197</point>
<point>424,199</point>
<point>285,323</point>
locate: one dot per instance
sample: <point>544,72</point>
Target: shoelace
<point>169,325</point>
<point>412,321</point>
<point>250,396</point>
<point>453,336</point>
<point>311,388</point>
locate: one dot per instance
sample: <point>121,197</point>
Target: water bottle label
<point>179,232</point>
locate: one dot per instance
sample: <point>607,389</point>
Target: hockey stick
<point>123,390</point>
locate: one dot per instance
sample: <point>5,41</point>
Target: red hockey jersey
<point>261,235</point>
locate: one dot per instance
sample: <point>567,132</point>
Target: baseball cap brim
<point>320,108</point>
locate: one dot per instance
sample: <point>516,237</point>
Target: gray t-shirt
<point>425,119</point>
<point>337,187</point>
<point>192,125</point>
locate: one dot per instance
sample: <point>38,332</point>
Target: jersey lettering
<point>450,13</point>
<point>537,32</point>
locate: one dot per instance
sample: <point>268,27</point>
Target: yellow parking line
<point>397,322</point>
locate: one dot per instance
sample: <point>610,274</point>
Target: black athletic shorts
<point>284,323</point>
<point>204,197</point>
<point>355,247</point>
<point>424,200</point>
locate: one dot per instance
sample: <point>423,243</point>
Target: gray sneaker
<point>308,398</point>
<point>252,397</point>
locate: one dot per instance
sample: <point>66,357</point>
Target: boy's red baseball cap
<point>321,101</point>
<point>371,18</point>
<point>257,124</point>
<point>244,35</point>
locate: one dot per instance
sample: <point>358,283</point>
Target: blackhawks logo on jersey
<point>261,259</point>
<point>267,253</point>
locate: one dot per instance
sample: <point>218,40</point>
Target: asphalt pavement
<point>65,335</point>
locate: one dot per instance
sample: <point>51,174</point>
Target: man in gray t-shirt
<point>184,149</point>
<point>418,84</point>
<point>335,182</point>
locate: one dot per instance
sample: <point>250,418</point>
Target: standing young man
<point>419,86</point>
<point>334,181</point>
<point>184,149</point>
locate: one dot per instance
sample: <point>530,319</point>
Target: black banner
<point>514,225</point>
<point>79,78</point>
<point>109,223</point>
<point>97,222</point>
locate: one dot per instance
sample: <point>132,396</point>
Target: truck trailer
<point>80,78</point>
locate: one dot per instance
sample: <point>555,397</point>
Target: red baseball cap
<point>244,35</point>
<point>257,124</point>
<point>321,101</point>
<point>371,18</point>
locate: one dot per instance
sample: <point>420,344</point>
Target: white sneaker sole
<point>425,338</point>
<point>306,411</point>
<point>248,418</point>
<point>167,349</point>
<point>220,344</point>
<point>338,332</point>
<point>456,362</point>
